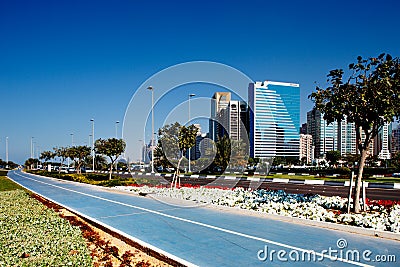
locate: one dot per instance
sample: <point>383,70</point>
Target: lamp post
<point>189,156</point>
<point>7,152</point>
<point>152,127</point>
<point>72,139</point>
<point>93,154</point>
<point>116,137</point>
<point>32,147</point>
<point>141,150</point>
<point>116,129</point>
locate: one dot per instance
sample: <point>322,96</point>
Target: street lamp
<point>141,150</point>
<point>7,152</point>
<point>72,139</point>
<point>189,157</point>
<point>93,154</point>
<point>32,147</point>
<point>152,127</point>
<point>116,137</point>
<point>116,129</point>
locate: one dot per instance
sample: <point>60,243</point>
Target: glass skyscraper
<point>325,136</point>
<point>274,119</point>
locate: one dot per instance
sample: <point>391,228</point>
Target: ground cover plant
<point>37,232</point>
<point>101,251</point>
<point>33,235</point>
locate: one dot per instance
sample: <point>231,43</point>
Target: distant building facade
<point>274,119</point>
<point>382,142</point>
<point>306,148</point>
<point>228,117</point>
<point>219,119</point>
<point>325,136</point>
<point>347,138</point>
<point>395,140</point>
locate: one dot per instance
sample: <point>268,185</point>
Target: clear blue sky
<point>65,62</point>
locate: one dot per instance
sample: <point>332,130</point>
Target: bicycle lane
<point>199,236</point>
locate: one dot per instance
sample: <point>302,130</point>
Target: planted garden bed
<point>33,235</point>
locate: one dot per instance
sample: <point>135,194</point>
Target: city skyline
<point>64,63</point>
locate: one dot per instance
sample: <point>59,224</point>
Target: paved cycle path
<point>208,237</point>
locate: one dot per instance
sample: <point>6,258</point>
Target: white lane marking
<point>323,255</point>
<point>131,214</point>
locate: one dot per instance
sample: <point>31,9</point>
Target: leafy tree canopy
<point>333,157</point>
<point>369,97</point>
<point>111,148</point>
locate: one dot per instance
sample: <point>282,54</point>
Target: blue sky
<point>65,62</point>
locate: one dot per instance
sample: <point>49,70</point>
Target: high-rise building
<point>382,142</point>
<point>306,148</point>
<point>228,117</point>
<point>347,138</point>
<point>395,140</point>
<point>219,119</point>
<point>325,136</point>
<point>303,128</point>
<point>274,119</point>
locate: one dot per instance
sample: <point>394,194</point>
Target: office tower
<point>228,117</point>
<point>382,142</point>
<point>395,143</point>
<point>347,138</point>
<point>306,148</point>
<point>325,136</point>
<point>303,128</point>
<point>219,119</point>
<point>274,119</point>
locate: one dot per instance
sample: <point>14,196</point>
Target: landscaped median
<point>381,215</point>
<point>33,235</point>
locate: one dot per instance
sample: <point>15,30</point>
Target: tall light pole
<point>32,147</point>
<point>72,139</point>
<point>116,137</point>
<point>189,157</point>
<point>142,152</point>
<point>93,154</point>
<point>7,152</point>
<point>152,127</point>
<point>116,129</point>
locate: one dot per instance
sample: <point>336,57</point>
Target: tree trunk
<point>176,176</point>
<point>78,168</point>
<point>111,169</point>
<point>356,203</point>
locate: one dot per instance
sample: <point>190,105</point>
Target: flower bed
<point>33,235</point>
<point>312,207</point>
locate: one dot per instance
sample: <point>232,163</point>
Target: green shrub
<point>79,178</point>
<point>111,183</point>
<point>96,176</point>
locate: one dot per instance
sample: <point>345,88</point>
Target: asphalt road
<point>205,236</point>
